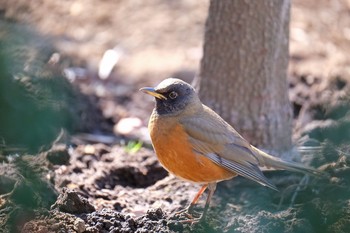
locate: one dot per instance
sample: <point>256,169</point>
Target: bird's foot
<point>192,220</point>
<point>190,215</point>
<point>183,211</point>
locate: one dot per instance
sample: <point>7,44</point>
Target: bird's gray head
<point>173,96</point>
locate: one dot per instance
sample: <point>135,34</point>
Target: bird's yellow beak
<point>151,91</point>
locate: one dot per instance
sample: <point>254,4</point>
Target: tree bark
<point>243,73</point>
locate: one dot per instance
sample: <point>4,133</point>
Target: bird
<point>194,143</point>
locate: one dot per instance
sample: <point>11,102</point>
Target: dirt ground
<point>106,178</point>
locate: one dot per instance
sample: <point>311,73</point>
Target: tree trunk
<point>244,68</point>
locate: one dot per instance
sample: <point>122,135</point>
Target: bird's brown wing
<point>212,137</point>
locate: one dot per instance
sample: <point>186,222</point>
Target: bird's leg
<point>211,188</point>
<point>189,208</point>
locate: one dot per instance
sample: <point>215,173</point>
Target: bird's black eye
<point>173,95</point>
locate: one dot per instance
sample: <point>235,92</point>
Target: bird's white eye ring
<point>173,95</point>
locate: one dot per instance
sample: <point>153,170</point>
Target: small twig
<point>299,187</point>
<point>303,183</point>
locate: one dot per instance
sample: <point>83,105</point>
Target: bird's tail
<point>274,162</point>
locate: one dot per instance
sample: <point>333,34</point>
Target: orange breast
<point>176,154</point>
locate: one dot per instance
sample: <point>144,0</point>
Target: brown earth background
<point>105,176</point>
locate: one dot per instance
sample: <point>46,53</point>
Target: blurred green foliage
<point>36,101</point>
<point>133,146</point>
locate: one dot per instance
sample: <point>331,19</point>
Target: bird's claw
<point>191,221</point>
<point>188,213</point>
